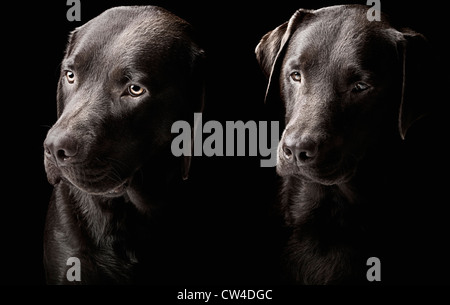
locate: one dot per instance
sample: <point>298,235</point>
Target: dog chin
<point>96,181</point>
<point>106,189</point>
<point>336,178</point>
<point>331,176</point>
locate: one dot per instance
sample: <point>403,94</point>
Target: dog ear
<point>197,101</point>
<point>415,102</point>
<point>272,47</point>
<point>268,48</point>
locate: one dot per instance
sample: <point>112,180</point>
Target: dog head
<point>127,75</point>
<point>338,75</point>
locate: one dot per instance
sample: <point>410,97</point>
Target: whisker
<point>118,163</point>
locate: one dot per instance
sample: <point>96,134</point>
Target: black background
<point>230,231</point>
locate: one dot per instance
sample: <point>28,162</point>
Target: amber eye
<point>296,76</point>
<point>70,76</point>
<point>135,90</point>
<point>360,86</point>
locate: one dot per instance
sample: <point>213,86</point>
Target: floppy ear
<point>272,47</point>
<point>415,102</point>
<point>196,100</point>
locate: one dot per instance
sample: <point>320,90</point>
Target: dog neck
<point>154,184</point>
<point>373,182</point>
<point>153,187</point>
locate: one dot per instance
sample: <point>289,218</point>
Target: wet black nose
<point>301,151</point>
<point>61,147</point>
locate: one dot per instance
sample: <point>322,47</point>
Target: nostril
<point>287,151</point>
<point>61,155</point>
<point>47,151</point>
<point>303,156</point>
<point>66,152</point>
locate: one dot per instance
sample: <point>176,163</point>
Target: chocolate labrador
<point>347,84</point>
<point>126,76</point>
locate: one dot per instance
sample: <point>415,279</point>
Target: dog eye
<point>70,76</point>
<point>360,86</point>
<point>296,76</point>
<point>135,90</point>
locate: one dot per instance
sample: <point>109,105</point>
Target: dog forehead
<point>124,35</point>
<point>145,20</point>
<point>343,38</point>
<point>325,37</point>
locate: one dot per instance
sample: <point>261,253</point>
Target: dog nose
<point>301,151</point>
<point>61,147</point>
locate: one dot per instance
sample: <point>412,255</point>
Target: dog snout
<point>302,150</point>
<point>61,147</point>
